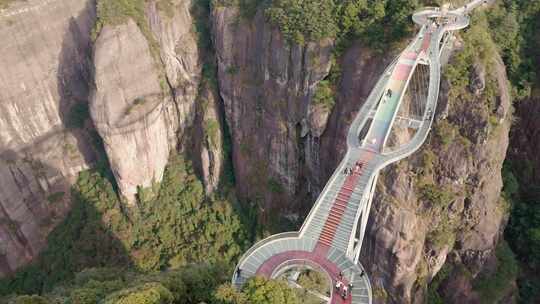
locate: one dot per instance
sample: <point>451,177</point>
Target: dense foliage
<point>324,95</point>
<point>176,226</point>
<point>494,286</point>
<point>378,23</point>
<point>515,27</point>
<point>190,284</point>
<point>523,229</point>
<point>304,20</point>
<point>258,291</point>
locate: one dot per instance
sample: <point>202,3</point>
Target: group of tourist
<point>342,289</point>
<point>357,167</point>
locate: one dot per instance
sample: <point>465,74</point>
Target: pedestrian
<point>340,275</point>
<point>362,273</point>
<point>345,292</point>
<point>238,272</point>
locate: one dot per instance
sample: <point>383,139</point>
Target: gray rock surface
<point>208,138</point>
<point>44,53</point>
<point>142,107</point>
<point>127,108</point>
<point>266,86</point>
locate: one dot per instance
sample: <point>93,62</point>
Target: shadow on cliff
<point>84,238</point>
<point>74,81</point>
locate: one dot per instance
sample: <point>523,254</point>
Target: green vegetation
<point>248,8</point>
<point>189,284</point>
<point>514,26</point>
<point>523,230</point>
<point>275,186</point>
<point>177,227</point>
<point>136,103</point>
<point>324,95</point>
<point>232,70</point>
<point>258,291</point>
<point>314,280</point>
<point>500,29</point>
<point>148,293</point>
<point>167,7</point>
<point>477,47</point>
<point>304,20</point>
<point>55,197</point>
<point>445,132</point>
<point>77,115</point>
<point>448,270</point>
<point>377,23</point>
<point>492,287</point>
<point>116,12</point>
<point>436,195</point>
<point>433,296</point>
<point>34,299</point>
<point>211,132</point>
<point>444,235</point>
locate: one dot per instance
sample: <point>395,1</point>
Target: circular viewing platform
<point>451,20</point>
<point>271,257</point>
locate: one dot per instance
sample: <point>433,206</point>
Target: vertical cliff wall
<point>44,140</point>
<point>145,88</point>
<point>266,86</point>
<point>444,201</point>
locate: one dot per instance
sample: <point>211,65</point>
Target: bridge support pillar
<point>364,216</point>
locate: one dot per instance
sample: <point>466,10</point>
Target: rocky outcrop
<point>141,108</point>
<point>127,108</point>
<point>45,138</point>
<point>266,85</point>
<point>445,199</point>
<point>208,139</point>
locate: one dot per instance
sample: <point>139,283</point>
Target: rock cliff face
<point>208,144</point>
<point>139,110</point>
<point>142,106</point>
<point>414,230</point>
<point>128,108</point>
<point>43,142</point>
<point>266,86</point>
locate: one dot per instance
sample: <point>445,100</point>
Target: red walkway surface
<point>338,209</point>
<point>426,41</point>
<point>341,202</point>
<point>402,71</point>
<point>268,267</point>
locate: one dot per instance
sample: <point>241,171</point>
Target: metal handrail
<point>257,245</point>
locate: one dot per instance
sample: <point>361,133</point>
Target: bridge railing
<point>257,245</point>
